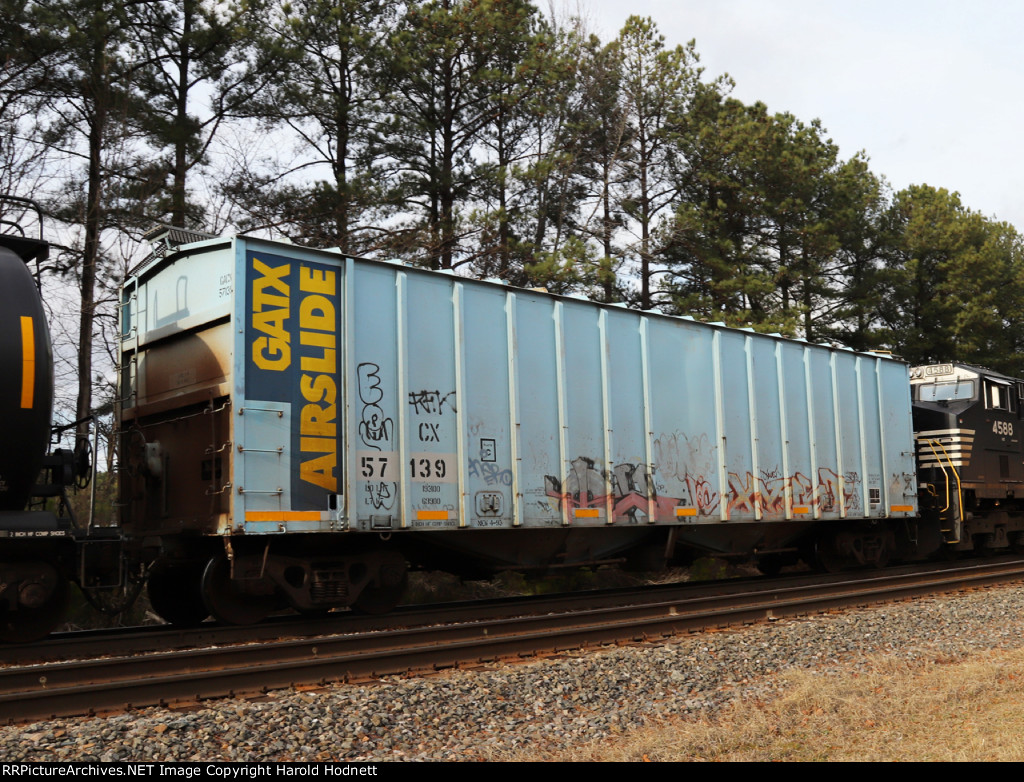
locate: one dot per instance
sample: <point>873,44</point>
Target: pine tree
<point>329,60</point>
<point>89,90</point>
<point>712,244</point>
<point>529,73</point>
<point>445,70</point>
<point>185,52</point>
<point>657,84</point>
<point>952,282</point>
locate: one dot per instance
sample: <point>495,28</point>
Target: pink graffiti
<point>702,494</point>
<point>630,489</point>
<point>766,493</point>
<point>631,493</point>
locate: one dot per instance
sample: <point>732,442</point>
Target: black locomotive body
<point>968,422</point>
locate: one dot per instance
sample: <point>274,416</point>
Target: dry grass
<point>940,710</point>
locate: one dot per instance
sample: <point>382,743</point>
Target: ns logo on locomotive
<point>298,429</point>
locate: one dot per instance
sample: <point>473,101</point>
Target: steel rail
<point>87,644</point>
<point>92,686</point>
<point>83,644</point>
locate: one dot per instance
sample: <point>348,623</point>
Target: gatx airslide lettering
<point>292,332</point>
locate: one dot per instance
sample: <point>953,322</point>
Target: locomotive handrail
<point>956,474</point>
<point>959,491</point>
<point>938,460</point>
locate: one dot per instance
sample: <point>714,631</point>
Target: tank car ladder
<point>951,515</point>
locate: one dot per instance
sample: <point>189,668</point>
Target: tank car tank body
<point>36,546</point>
<point>26,369</point>
<point>301,426</point>
<point>42,546</point>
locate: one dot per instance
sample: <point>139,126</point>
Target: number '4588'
<point>1002,427</point>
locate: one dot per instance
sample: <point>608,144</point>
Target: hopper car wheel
<point>47,603</point>
<point>883,558</point>
<point>175,595</point>
<point>770,565</point>
<point>226,602</point>
<point>383,597</point>
<point>826,559</point>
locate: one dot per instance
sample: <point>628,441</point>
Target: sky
<point>931,90</point>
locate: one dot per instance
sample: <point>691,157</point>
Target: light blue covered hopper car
<point>300,426</point>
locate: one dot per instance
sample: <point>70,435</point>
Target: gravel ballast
<point>546,704</point>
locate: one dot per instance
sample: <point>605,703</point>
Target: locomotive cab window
<point>997,395</point>
<point>946,392</point>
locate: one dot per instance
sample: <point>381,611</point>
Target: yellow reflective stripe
<point>282,515</point>
<point>28,362</point>
<point>902,509</point>
<point>801,509</point>
<point>432,515</point>
<point>587,513</point>
<point>686,511</point>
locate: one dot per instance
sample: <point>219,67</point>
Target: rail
<point>40,691</point>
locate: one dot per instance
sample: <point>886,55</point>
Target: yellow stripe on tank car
<point>28,362</point>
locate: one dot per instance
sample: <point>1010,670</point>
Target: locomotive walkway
<point>512,629</point>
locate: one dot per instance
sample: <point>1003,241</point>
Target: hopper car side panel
<point>298,428</point>
<point>373,396</point>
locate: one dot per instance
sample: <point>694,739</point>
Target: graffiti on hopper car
<point>630,488</point>
<point>380,494</point>
<point>375,428</point>
<point>633,491</point>
<point>431,402</point>
<point>490,473</point>
<point>376,431</point>
<point>766,493</point>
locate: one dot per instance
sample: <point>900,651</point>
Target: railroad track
<point>187,676</point>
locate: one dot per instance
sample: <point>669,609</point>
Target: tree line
<point>487,137</point>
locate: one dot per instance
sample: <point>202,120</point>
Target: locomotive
<point>299,428</point>
<point>970,462</point>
